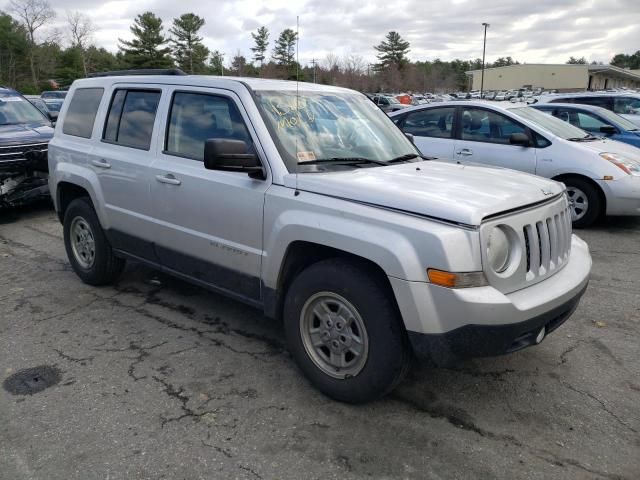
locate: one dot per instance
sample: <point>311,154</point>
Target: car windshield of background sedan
<point>315,127</point>
<point>554,125</point>
<point>616,119</point>
<point>15,110</point>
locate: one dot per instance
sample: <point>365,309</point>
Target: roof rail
<point>141,71</point>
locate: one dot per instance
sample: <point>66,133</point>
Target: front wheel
<point>344,331</point>
<point>584,202</point>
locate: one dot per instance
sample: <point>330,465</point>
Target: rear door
<point>209,222</point>
<point>484,138</point>
<point>432,130</point>
<point>121,160</point>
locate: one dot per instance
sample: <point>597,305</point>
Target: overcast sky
<point>539,31</point>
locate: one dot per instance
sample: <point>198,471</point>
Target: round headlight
<point>498,250</point>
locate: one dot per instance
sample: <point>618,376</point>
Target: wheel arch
<point>566,176</point>
<point>300,255</point>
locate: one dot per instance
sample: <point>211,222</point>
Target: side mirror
<point>608,129</point>
<point>231,156</point>
<point>410,137</point>
<point>520,139</point>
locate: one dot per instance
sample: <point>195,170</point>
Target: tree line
<point>33,56</point>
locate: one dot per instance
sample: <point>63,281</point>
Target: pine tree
<point>238,64</point>
<point>216,63</point>
<point>189,52</point>
<point>261,39</point>
<point>146,50</point>
<point>284,49</point>
<point>392,51</point>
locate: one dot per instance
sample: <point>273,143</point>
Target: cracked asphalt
<point>163,380</point>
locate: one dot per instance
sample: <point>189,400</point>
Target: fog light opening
<point>541,335</point>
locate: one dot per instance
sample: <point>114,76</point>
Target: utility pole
<point>314,63</point>
<point>484,49</point>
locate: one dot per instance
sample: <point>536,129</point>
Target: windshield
<point>554,125</point>
<point>392,100</point>
<point>16,110</point>
<point>617,119</point>
<point>330,126</point>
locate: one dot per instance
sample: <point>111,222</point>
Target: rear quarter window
<point>81,113</point>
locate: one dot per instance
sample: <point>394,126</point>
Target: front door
<point>485,140</point>
<point>209,223</point>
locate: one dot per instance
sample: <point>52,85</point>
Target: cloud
<point>544,31</point>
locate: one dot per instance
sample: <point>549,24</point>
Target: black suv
<point>24,137</point>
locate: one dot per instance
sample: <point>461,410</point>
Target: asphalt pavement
<point>154,378</point>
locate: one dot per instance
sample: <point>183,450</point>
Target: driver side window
<point>197,117</point>
<point>479,125</point>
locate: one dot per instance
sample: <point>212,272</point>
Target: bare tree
<point>81,29</point>
<point>34,14</point>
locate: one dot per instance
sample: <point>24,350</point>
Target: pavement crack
<point>600,402</point>
<point>180,395</point>
<point>248,469</point>
<point>81,361</point>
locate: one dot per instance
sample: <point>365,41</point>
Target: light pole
<point>484,49</point>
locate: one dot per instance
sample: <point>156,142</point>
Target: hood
<point>457,193</point>
<point>611,146</point>
<point>25,133</point>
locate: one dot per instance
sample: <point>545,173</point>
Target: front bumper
<point>623,195</point>
<point>482,321</point>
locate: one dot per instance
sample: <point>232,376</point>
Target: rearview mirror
<point>520,139</point>
<point>608,129</point>
<point>231,156</point>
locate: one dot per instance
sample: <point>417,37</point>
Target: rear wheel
<point>88,249</point>
<point>584,202</point>
<point>344,331</point>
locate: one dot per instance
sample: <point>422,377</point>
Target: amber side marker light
<point>446,279</point>
<point>608,177</point>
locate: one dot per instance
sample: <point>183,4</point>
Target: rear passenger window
<point>131,117</point>
<point>196,118</point>
<point>82,112</point>
<point>432,122</point>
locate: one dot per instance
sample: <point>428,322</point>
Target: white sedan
<point>602,176</point>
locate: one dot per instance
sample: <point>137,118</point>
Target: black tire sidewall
<point>388,352</point>
<point>595,203</point>
<point>98,273</point>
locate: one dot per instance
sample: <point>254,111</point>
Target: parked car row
<point>602,176</point>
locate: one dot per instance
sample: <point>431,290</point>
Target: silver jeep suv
<point>306,202</point>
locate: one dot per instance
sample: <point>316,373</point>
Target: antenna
<point>297,192</point>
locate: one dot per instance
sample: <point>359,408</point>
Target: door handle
<point>465,152</point>
<point>168,178</point>
<point>102,163</point>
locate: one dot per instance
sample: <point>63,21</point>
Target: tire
<point>585,202</point>
<point>87,247</point>
<point>385,353</point>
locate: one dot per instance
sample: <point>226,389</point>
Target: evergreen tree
<point>216,63</point>
<point>577,61</point>
<point>189,52</point>
<point>147,49</point>
<point>261,39</point>
<point>239,64</point>
<point>392,52</point>
<point>284,49</point>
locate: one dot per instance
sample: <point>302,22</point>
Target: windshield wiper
<point>407,157</point>
<point>586,138</point>
<point>342,161</point>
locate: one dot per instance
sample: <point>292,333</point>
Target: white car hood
<point>611,146</point>
<point>455,193</point>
